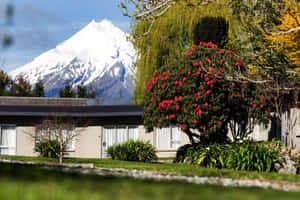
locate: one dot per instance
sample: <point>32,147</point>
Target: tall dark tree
<point>39,90</point>
<point>212,29</point>
<point>85,92</point>
<point>21,88</point>
<point>5,83</point>
<point>67,92</point>
<point>82,91</point>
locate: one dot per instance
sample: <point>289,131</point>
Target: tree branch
<point>154,9</point>
<point>287,32</point>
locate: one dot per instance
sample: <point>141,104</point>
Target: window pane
<point>175,138</point>
<point>68,135</point>
<point>163,138</point>
<point>109,138</point>
<point>44,134</point>
<point>8,140</point>
<point>133,132</point>
<point>121,135</point>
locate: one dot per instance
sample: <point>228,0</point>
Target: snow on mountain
<point>98,55</point>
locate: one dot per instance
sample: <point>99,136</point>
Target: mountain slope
<point>99,55</point>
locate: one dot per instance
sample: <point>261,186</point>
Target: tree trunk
<point>190,136</point>
<point>61,153</point>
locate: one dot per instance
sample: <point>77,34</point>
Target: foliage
<point>67,92</point>
<point>5,83</point>
<point>202,93</point>
<point>38,90</point>
<point>169,37</point>
<point>164,28</point>
<point>59,130</point>
<point>251,157</point>
<point>289,43</point>
<point>84,92</point>
<point>239,156</point>
<point>133,150</point>
<point>212,29</point>
<point>181,153</point>
<point>213,155</point>
<point>296,157</point>
<point>21,88</point>
<point>48,149</point>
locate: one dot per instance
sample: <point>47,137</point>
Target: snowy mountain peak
<point>102,26</point>
<point>100,51</point>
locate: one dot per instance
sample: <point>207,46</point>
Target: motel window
<point>167,138</point>
<point>44,133</point>
<point>7,140</point>
<point>113,135</point>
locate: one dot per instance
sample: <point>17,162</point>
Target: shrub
<point>212,156</point>
<point>48,149</point>
<point>133,150</point>
<point>238,156</point>
<point>296,157</point>
<point>252,157</point>
<point>181,153</point>
<point>203,92</point>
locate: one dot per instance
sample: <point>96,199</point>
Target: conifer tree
<point>5,83</point>
<point>82,91</point>
<point>85,92</point>
<point>67,92</point>
<point>21,88</point>
<point>38,90</point>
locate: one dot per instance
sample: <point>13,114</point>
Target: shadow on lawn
<point>35,173</point>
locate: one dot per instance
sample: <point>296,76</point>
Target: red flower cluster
<point>198,111</point>
<point>204,91</point>
<point>209,44</point>
<point>183,127</point>
<point>176,98</point>
<point>178,83</point>
<point>172,116</point>
<point>238,63</point>
<point>166,103</point>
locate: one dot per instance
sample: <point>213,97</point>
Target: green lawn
<point>19,182</point>
<point>172,168</point>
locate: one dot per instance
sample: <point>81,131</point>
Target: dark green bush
<point>182,152</point>
<point>238,156</point>
<point>252,157</point>
<point>133,150</point>
<point>213,155</point>
<point>48,148</point>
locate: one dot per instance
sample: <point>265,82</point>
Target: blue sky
<point>39,25</point>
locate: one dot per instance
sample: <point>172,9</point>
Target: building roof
<point>43,101</point>
<point>70,111</point>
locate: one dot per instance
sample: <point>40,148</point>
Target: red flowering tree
<point>205,92</point>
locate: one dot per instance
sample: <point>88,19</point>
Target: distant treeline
<point>23,88</point>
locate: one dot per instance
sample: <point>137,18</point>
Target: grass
<point>19,182</point>
<point>176,168</point>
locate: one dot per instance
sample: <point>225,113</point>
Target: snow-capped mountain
<point>99,55</point>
